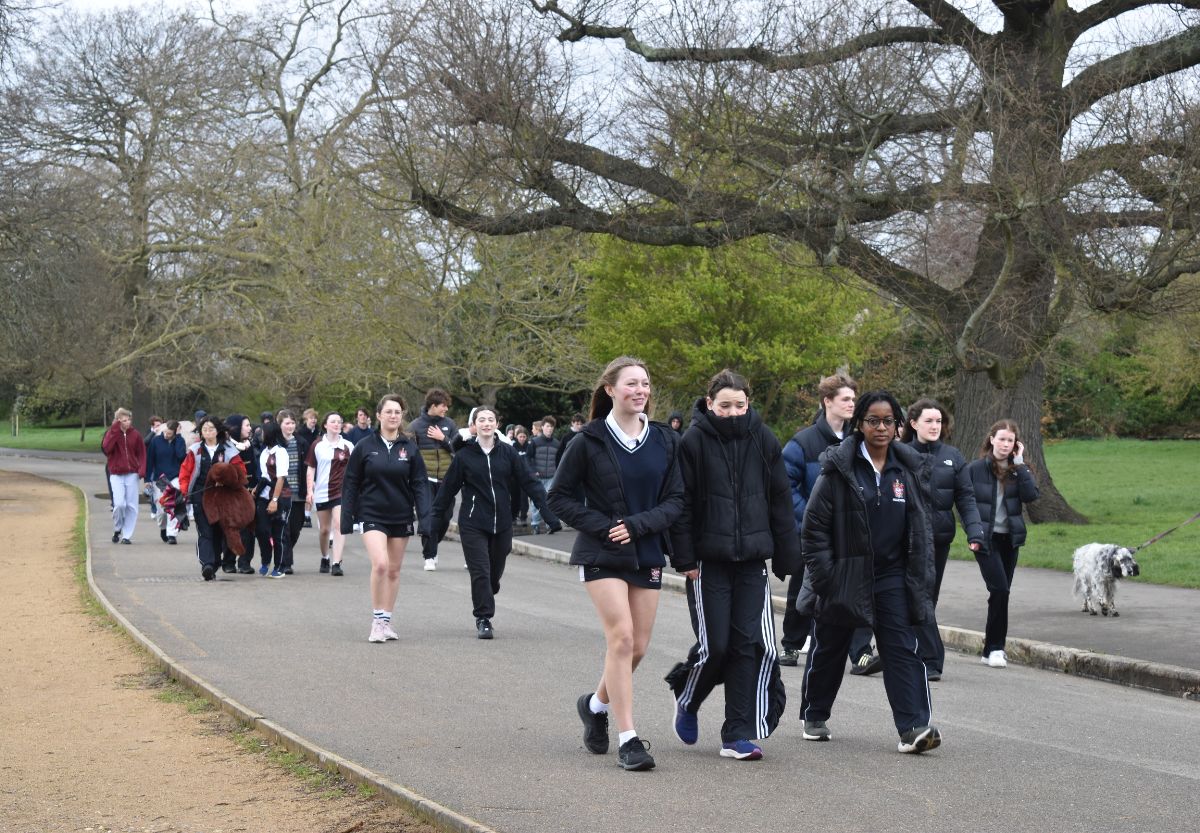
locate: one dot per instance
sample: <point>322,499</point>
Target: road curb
<point>1173,680</point>
<point>429,810</point>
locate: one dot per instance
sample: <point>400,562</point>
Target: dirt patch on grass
<point>96,739</point>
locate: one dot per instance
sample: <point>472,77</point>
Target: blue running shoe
<point>742,750</point>
<point>264,569</point>
<point>687,727</point>
<point>275,574</point>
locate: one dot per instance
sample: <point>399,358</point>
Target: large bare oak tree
<point>996,168</point>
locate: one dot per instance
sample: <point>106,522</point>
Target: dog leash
<point>1168,532</point>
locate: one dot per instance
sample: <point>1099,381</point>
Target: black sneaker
<point>308,523</point>
<point>867,665</point>
<point>287,571</point>
<point>228,568</point>
<point>484,629</point>
<point>336,569</point>
<point>116,537</point>
<point>209,572</point>
<point>126,541</point>
<point>246,571</point>
<point>325,565</point>
<point>918,740</point>
<point>789,657</point>
<point>162,533</point>
<point>171,540</point>
<point>634,755</point>
<point>595,726</point>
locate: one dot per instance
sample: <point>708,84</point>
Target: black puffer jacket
<point>488,481</point>
<point>737,500</point>
<point>1017,490</point>
<point>839,579</point>
<point>950,486</point>
<point>590,468</point>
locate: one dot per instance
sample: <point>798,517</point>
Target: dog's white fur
<point>1097,568</point>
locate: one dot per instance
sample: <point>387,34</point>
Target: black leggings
<point>997,564</point>
<point>274,540</point>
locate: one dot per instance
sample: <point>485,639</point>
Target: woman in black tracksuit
<point>385,488</point>
<point>868,553</point>
<point>737,514</point>
<point>949,486</point>
<point>487,471</point>
<point>619,486</point>
<point>1002,483</point>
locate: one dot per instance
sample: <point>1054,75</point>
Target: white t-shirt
<point>329,462</point>
<point>281,470</point>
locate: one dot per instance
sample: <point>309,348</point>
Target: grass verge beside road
<point>53,439</point>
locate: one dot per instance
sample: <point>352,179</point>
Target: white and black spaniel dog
<point>1097,568</point>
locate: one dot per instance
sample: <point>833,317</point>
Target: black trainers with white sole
<point>595,726</point>
<point>921,739</point>
<point>634,755</point>
<point>816,730</point>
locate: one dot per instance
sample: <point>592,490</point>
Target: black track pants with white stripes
<point>736,632</point>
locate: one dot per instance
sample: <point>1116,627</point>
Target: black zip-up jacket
<point>950,486</point>
<point>385,486</point>
<point>839,581</point>
<point>737,503</point>
<point>1017,490</point>
<point>590,468</point>
<point>437,455</point>
<point>487,482</point>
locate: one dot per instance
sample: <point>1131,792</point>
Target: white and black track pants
<point>735,626</point>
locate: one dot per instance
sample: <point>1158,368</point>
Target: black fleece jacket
<point>487,482</point>
<point>386,486</point>
<point>590,468</point>
<point>737,502</point>
<point>839,582</point>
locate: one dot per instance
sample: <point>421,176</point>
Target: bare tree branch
<point>1130,68</point>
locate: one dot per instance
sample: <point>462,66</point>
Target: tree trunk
<point>979,403</point>
<point>141,397</point>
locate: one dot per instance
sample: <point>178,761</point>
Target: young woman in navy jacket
<point>386,490</point>
<point>486,471</point>
<point>619,486</point>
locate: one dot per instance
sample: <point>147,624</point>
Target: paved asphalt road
<point>489,728</point>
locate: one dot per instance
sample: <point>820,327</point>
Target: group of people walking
<point>858,521</point>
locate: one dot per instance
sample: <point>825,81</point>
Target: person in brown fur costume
<point>227,503</point>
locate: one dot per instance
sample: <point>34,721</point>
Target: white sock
<point>380,614</point>
<point>624,737</point>
<point>597,706</point>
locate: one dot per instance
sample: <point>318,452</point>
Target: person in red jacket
<point>126,453</point>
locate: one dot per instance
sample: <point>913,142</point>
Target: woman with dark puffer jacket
<point>949,487</point>
<point>619,486</point>
<point>868,553</point>
<point>737,515</point>
<point>1002,483</point>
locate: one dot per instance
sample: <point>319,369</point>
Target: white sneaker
<point>388,633</point>
<point>996,659</point>
<point>430,564</point>
<point>807,642</point>
<point>377,632</point>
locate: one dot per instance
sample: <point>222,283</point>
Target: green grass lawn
<point>54,439</point>
<point>1130,490</point>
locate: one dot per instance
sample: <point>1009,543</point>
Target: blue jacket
<point>802,459</point>
<point>164,457</point>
